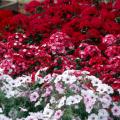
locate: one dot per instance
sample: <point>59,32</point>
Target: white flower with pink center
<point>116,111</point>
<point>58,114</point>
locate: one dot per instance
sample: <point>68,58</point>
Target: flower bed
<point>54,37</point>
<point>72,95</point>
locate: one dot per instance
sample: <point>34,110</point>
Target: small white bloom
<point>70,100</point>
<point>58,78</point>
<point>92,117</point>
<point>61,102</point>
<point>106,101</point>
<point>31,118</point>
<point>109,89</point>
<point>38,115</point>
<point>78,98</point>
<point>52,100</point>
<point>102,88</point>
<point>3,117</point>
<point>69,79</point>
<point>96,82</point>
<point>48,112</point>
<point>103,113</point>
<point>34,96</point>
<point>15,83</point>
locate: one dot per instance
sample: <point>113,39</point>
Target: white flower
<point>96,82</point>
<point>102,118</point>
<point>92,117</point>
<point>14,83</point>
<point>109,89</point>
<point>69,79</point>
<point>58,114</point>
<point>52,100</point>
<point>61,102</point>
<point>106,101</point>
<point>31,118</point>
<point>85,93</point>
<point>73,99</point>
<point>116,111</point>
<point>58,78</point>
<point>102,88</point>
<point>34,96</point>
<point>1,71</point>
<point>48,112</point>
<point>38,115</point>
<point>78,98</point>
<point>103,113</point>
<point>27,79</point>
<point>47,78</point>
<point>3,117</point>
<point>20,80</point>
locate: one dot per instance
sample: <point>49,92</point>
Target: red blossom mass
<point>67,34</point>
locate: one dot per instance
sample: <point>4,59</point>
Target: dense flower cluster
<point>73,95</point>
<point>62,35</point>
<point>45,53</point>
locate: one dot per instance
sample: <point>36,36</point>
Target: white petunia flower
<point>31,118</point>
<point>58,78</point>
<point>48,112</point>
<point>96,82</point>
<point>52,100</point>
<point>61,102</point>
<point>109,89</point>
<point>106,101</point>
<point>69,79</point>
<point>38,115</point>
<point>78,98</point>
<point>3,117</point>
<point>70,100</point>
<point>102,88</point>
<point>103,113</point>
<point>92,117</point>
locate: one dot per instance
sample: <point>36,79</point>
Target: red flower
<point>117,4</point>
<point>96,22</point>
<point>5,14</point>
<point>31,6</point>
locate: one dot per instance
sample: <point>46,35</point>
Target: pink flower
<point>116,111</point>
<point>34,96</point>
<point>58,114</point>
<point>109,40</point>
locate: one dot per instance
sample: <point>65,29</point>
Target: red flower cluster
<point>60,35</point>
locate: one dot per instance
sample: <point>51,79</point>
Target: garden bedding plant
<point>55,37</point>
<point>72,95</point>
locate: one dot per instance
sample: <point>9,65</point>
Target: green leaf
<point>67,114</point>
